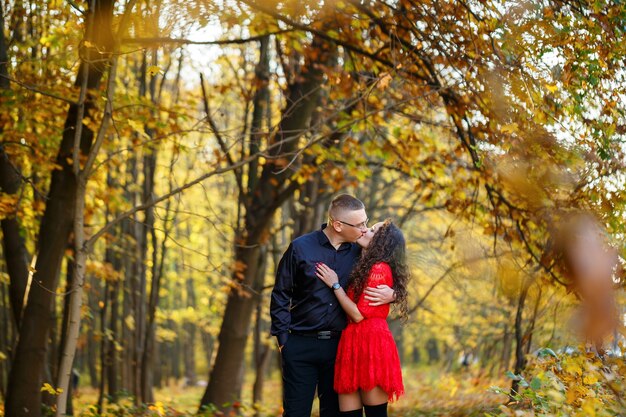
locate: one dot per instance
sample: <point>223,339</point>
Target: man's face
<point>351,224</point>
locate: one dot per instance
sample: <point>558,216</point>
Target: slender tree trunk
<point>103,343</point>
<point>176,355</point>
<point>92,345</point>
<point>81,248</point>
<point>507,343</point>
<point>190,341</point>
<point>147,317</point>
<point>531,327</point>
<point>56,351</point>
<point>130,238</point>
<point>109,313</point>
<point>208,341</point>
<point>520,358</point>
<point>147,377</point>
<point>262,355</point>
<point>398,334</point>
<point>112,359</point>
<point>260,107</point>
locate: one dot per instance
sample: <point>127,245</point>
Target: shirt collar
<point>323,239</point>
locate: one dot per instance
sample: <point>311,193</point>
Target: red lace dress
<point>367,355</point>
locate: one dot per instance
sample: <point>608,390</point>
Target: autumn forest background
<point>157,156</point>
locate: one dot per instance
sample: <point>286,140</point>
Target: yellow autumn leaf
<point>572,367</point>
<point>153,70</point>
<point>130,322</point>
<point>588,406</point>
<point>540,117</point>
<point>551,87</point>
<point>510,128</point>
<point>50,389</point>
<point>138,127</point>
<point>158,407</point>
<point>590,379</point>
<point>571,396</point>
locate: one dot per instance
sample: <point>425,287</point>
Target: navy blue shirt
<point>301,301</point>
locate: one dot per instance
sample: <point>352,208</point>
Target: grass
<point>430,392</point>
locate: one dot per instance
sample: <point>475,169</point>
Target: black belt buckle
<point>324,334</point>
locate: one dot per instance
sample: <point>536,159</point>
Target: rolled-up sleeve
<point>282,294</point>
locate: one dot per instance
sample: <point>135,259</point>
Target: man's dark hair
<point>342,203</point>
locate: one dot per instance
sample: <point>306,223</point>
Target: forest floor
<point>430,392</point>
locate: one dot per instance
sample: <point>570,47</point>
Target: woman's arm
<point>329,277</point>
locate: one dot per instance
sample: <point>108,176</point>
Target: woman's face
<point>366,238</point>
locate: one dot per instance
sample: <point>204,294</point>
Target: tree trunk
<point>14,250</point>
<point>130,239</point>
<point>81,248</point>
<point>103,342</point>
<point>397,329</point>
<point>5,337</point>
<point>109,311</point>
<point>112,360</point>
<point>208,341</point>
<point>147,317</point>
<point>56,351</point>
<point>225,381</point>
<point>520,358</point>
<point>190,341</point>
<point>94,296</point>
<point>531,326</point>
<point>260,108</point>
<point>24,394</point>
<point>507,343</point>
<point>262,202</point>
<point>175,357</point>
<point>262,351</point>
<point>149,165</point>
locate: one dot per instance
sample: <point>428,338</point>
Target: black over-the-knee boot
<point>351,413</point>
<point>379,410</point>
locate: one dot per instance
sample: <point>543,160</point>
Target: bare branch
<point>36,90</point>
<point>181,41</point>
<point>219,138</point>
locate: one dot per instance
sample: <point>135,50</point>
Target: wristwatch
<point>335,286</point>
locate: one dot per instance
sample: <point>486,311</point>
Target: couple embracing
<point>344,269</point>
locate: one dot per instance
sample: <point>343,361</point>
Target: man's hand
<point>379,295</point>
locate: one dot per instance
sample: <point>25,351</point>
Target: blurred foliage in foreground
<point>574,383</point>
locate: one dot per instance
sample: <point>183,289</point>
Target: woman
<point>367,369</point>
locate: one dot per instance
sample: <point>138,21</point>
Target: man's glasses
<point>362,225</point>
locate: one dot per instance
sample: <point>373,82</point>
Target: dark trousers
<point>308,363</point>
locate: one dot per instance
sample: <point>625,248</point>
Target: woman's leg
<point>375,402</point>
<point>350,405</point>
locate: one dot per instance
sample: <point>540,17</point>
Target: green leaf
<point>511,375</point>
<point>535,384</point>
<point>543,352</point>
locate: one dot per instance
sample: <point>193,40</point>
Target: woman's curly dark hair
<point>387,245</point>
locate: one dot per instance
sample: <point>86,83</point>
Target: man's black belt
<point>321,334</point>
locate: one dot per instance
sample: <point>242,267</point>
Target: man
<point>307,320</point>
